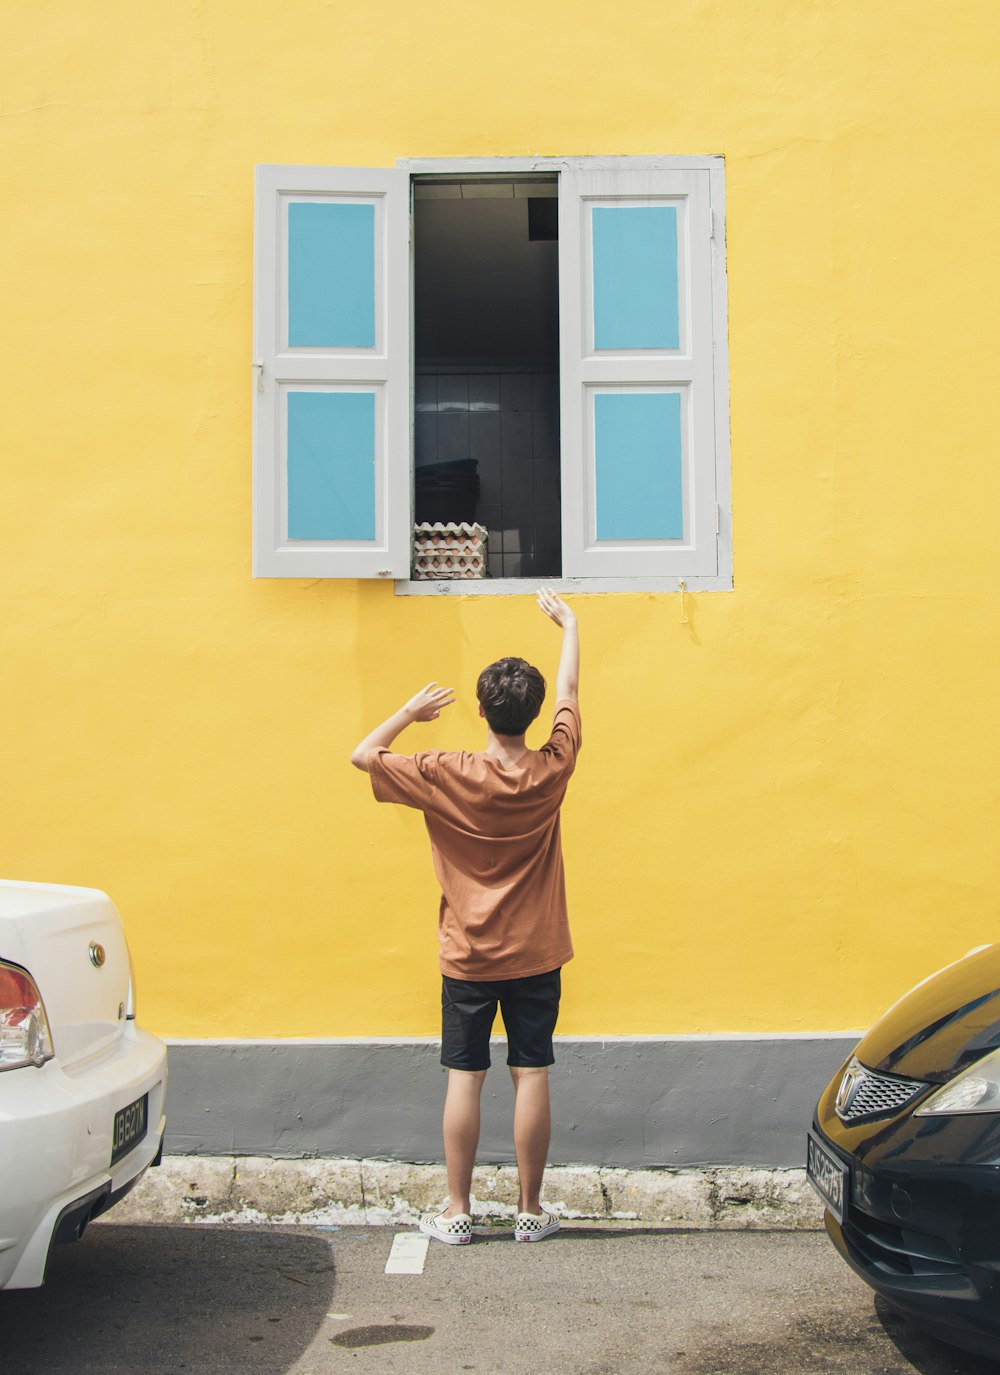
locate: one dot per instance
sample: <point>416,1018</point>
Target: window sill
<point>527,587</point>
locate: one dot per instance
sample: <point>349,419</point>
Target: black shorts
<point>529,1008</point>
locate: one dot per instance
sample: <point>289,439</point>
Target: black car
<point>904,1151</point>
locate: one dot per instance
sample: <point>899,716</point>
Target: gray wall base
<point>634,1104</point>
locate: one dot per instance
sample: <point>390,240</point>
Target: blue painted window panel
<point>635,277</point>
<point>331,275</point>
<point>637,457</point>
<point>331,465</point>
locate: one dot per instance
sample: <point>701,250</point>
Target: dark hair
<point>510,693</point>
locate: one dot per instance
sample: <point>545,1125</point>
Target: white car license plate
<point>130,1127</point>
<point>828,1176</point>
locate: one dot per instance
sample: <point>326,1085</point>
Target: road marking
<point>407,1255</point>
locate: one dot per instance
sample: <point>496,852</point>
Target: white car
<point>82,1088</point>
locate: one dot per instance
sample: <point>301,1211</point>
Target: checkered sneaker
<point>535,1226</point>
<point>456,1231</point>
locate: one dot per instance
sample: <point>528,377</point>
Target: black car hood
<point>943,1025</point>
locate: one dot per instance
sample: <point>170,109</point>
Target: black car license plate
<point>130,1127</point>
<point>828,1176</point>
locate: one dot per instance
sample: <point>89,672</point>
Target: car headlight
<point>976,1089</point>
<point>25,1038</point>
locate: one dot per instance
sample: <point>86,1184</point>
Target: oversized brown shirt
<point>497,852</point>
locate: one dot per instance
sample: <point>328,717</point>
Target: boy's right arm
<point>568,673</point>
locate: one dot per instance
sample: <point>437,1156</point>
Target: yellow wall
<point>786,809</point>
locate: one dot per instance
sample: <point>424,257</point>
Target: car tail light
<point>25,1038</point>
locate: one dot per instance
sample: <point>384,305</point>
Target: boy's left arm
<point>425,705</point>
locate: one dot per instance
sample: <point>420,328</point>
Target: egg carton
<point>449,551</point>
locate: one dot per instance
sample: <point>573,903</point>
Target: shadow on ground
<point>924,1352</point>
<point>116,1303</point>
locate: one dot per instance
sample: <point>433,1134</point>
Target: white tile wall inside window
<point>487,450</point>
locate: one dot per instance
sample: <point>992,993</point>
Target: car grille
<point>863,1093</point>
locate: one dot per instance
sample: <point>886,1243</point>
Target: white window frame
<point>596,175</point>
<point>382,370</point>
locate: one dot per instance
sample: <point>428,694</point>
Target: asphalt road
<point>313,1301</point>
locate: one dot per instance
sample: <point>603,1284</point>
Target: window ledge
<point>527,587</point>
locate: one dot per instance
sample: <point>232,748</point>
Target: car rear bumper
<point>56,1131</point>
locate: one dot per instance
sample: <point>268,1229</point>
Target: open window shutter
<point>638,381</point>
<point>331,361</point>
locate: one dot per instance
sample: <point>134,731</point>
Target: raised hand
<point>555,608</point>
<point>426,704</point>
<point>568,675</point>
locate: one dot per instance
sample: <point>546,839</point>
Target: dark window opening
<point>486,445</point>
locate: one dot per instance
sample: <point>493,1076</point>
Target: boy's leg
<point>532,1130</point>
<point>530,1009</point>
<point>461,1135</point>
<point>467,1013</point>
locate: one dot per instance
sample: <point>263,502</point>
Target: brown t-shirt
<point>497,853</point>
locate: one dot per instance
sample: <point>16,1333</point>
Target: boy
<point>493,822</point>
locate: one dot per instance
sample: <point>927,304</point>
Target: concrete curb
<point>323,1192</point>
